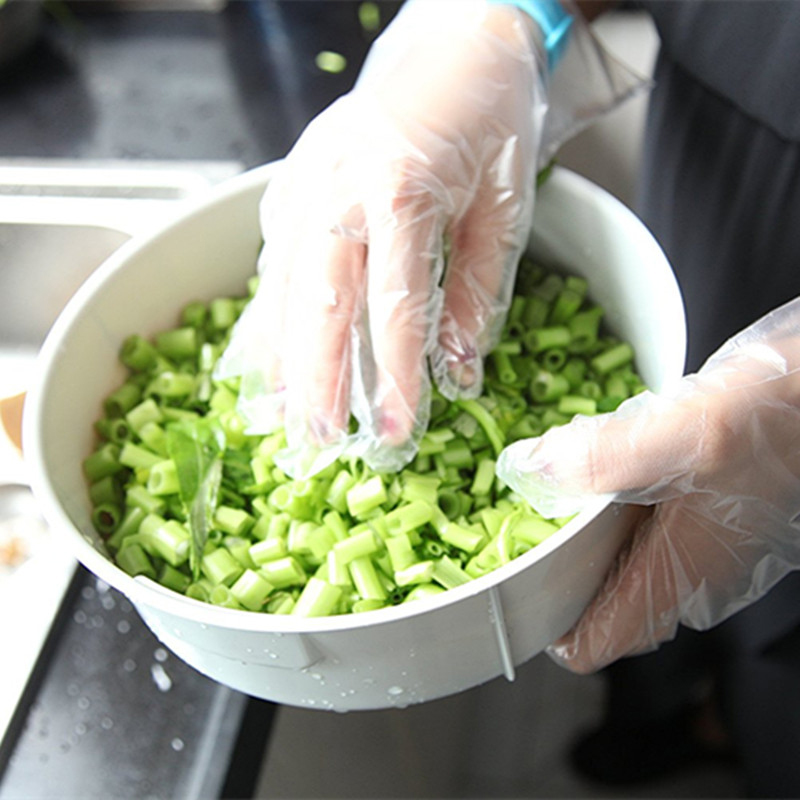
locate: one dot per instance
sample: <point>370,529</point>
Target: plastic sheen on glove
<point>434,151</point>
<point>715,464</point>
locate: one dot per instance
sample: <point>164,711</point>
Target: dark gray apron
<point>720,190</point>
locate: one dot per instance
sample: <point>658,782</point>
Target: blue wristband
<point>554,21</point>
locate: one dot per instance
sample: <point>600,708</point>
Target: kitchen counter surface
<point>108,712</point>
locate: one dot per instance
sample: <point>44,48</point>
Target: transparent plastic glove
<point>436,146</point>
<point>715,463</point>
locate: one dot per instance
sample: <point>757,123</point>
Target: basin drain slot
<point>501,633</point>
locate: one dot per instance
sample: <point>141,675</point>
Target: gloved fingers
<point>321,306</point>
<point>404,264</point>
<point>642,449</point>
<point>683,564</point>
<point>619,621</point>
<point>485,246</point>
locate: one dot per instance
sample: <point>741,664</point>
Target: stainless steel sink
<point>58,222</point>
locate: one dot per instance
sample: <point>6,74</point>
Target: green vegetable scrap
<point>182,495</point>
<point>369,16</point>
<point>330,61</point>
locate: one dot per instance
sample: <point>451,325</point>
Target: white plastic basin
<point>391,657</point>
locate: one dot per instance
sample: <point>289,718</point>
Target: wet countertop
<point>108,712</point>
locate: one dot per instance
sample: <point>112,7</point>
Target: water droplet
<point>83,703</point>
<point>80,728</point>
<point>87,593</point>
<point>177,744</point>
<point>162,681</point>
<point>123,626</point>
<point>160,655</point>
<point>106,723</point>
<point>108,602</point>
<point>73,690</point>
<point>395,690</point>
<point>97,621</point>
<point>79,617</point>
<point>101,586</point>
<point>129,665</point>
<point>316,676</point>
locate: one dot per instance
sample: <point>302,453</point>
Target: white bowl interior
<point>478,631</point>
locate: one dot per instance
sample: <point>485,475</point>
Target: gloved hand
<point>715,464</point>
<point>437,143</point>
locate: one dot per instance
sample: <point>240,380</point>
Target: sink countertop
<point>107,711</point>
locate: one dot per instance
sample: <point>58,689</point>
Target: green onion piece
<point>369,16</point>
<point>163,478</point>
<point>613,358</point>
<point>134,561</point>
<point>194,314</point>
<point>547,387</point>
<point>448,574</point>
<point>171,541</point>
<point>486,421</point>
<point>566,305</point>
<point>420,488</point>
<point>366,580</point>
<point>268,550</point>
<point>330,61</point>
<point>220,567</point>
<point>617,386</point>
<point>280,603</point>
<point>538,340</point>
<point>591,389</point>
<point>222,596</point>
<point>251,590</point>
<point>423,591</point>
<point>146,412</point>
<point>401,552</point>
<point>114,430</point>
<point>106,517</point>
<point>364,497</point>
<point>178,344</point>
<point>337,492</point>
<point>118,403</point>
<point>174,579</point>
<point>318,599</point>
<point>361,544</point>
<point>533,530</point>
<point>421,572</point>
<point>409,517</point>
<point>584,328</point>
<point>222,313</point>
<point>102,462</point>
<point>570,404</point>
<point>338,572</point>
<point>171,384</point>
<point>462,538</point>
<point>484,477</point>
<point>283,572</point>
<point>234,521</point>
<point>137,353</point>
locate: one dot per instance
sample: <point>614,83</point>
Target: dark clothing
<point>721,175</point>
<point>721,192</point>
